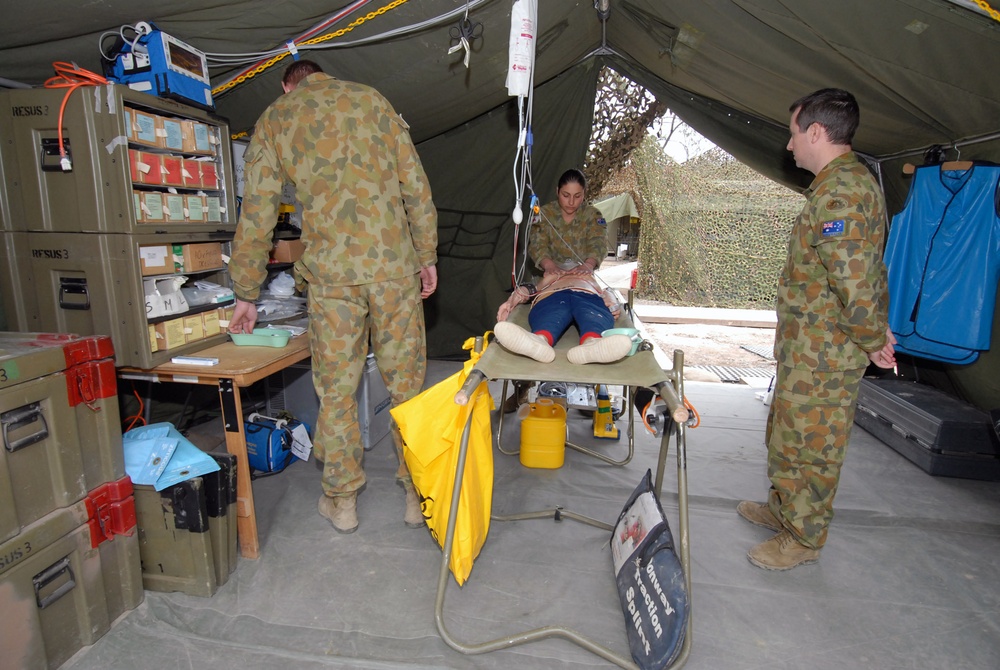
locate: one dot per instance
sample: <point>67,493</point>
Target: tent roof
<point>923,70</point>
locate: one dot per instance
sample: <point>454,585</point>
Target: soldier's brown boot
<point>759,514</point>
<point>782,552</point>
<point>341,511</point>
<point>414,517</point>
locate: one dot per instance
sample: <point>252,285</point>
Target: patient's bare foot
<point>601,350</point>
<point>516,339</point>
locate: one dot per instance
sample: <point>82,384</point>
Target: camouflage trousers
<point>342,318</point>
<point>808,429</point>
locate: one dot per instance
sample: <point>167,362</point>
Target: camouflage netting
<point>713,231</point>
<point>623,111</point>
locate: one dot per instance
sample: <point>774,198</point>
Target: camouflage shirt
<point>832,294</point>
<point>585,234</point>
<point>367,214</point>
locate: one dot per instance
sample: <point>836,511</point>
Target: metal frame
<point>672,392</point>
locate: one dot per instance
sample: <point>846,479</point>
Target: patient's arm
<point>518,295</point>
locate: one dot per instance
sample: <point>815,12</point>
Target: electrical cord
<point>71,77</point>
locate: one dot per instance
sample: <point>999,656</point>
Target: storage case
<point>174,541</point>
<point>936,431</point>
<point>66,577</point>
<point>17,288</point>
<point>100,125</point>
<point>60,424</point>
<point>93,285</point>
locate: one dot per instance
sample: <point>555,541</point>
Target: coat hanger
<point>958,165</point>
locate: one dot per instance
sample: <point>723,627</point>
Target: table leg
<point>236,444</point>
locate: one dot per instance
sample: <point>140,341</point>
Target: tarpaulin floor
<point>910,577</point>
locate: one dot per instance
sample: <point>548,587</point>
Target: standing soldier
<point>832,320</point>
<point>370,235</point>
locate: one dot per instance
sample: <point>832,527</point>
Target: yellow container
<point>543,435</point>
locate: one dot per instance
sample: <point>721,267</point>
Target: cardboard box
<point>173,208</point>
<point>129,120</point>
<point>197,137</point>
<point>213,209</point>
<point>150,168</point>
<point>170,334</point>
<point>209,175</point>
<point>197,257</point>
<point>137,206</point>
<point>156,259</point>
<point>144,128</point>
<point>152,206</point>
<point>194,328</point>
<point>191,173</point>
<point>133,165</point>
<point>171,170</point>
<point>169,132</point>
<point>210,322</point>
<point>154,343</point>
<point>226,315</point>
<point>287,251</point>
<point>194,208</point>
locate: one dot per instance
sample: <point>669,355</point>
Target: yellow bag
<point>431,425</point>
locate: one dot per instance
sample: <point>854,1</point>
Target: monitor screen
<point>185,59</point>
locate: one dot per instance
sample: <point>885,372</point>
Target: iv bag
<point>523,21</point>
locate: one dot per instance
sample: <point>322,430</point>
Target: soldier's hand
<point>244,317</point>
<point>428,281</point>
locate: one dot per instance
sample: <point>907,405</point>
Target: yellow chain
<point>994,14</point>
<point>315,40</point>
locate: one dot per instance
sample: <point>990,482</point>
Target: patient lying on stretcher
<point>557,302</point>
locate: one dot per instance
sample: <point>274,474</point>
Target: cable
<point>137,418</point>
<point>70,76</point>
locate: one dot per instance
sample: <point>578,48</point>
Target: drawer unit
<point>97,285</point>
<point>60,424</point>
<point>120,146</point>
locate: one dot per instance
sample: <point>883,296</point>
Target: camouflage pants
<point>341,319</point>
<point>808,429</point>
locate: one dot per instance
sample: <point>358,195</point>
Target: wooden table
<point>239,366</point>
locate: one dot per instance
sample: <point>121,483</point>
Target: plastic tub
<point>262,337</point>
<point>633,333</point>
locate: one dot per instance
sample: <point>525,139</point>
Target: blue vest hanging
<point>943,258</point>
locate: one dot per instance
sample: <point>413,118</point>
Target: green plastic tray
<point>262,337</point>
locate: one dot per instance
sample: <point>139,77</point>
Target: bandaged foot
<point>516,339</point>
<point>601,350</point>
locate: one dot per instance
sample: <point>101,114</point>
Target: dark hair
<point>834,109</point>
<point>298,71</point>
<point>572,175</point>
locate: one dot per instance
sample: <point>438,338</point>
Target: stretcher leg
<point>671,395</point>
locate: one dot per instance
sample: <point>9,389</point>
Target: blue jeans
<point>556,312</point>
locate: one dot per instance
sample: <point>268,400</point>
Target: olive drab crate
<point>80,215</point>
<point>60,424</point>
<point>65,578</point>
<point>69,547</point>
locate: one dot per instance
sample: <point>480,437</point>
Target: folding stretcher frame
<point>639,370</point>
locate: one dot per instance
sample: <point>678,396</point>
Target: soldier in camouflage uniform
<point>570,237</point>
<point>832,320</point>
<point>370,233</point>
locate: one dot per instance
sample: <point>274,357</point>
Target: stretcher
<point>639,370</point>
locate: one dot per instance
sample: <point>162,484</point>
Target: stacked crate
<point>98,216</point>
<point>69,550</point>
